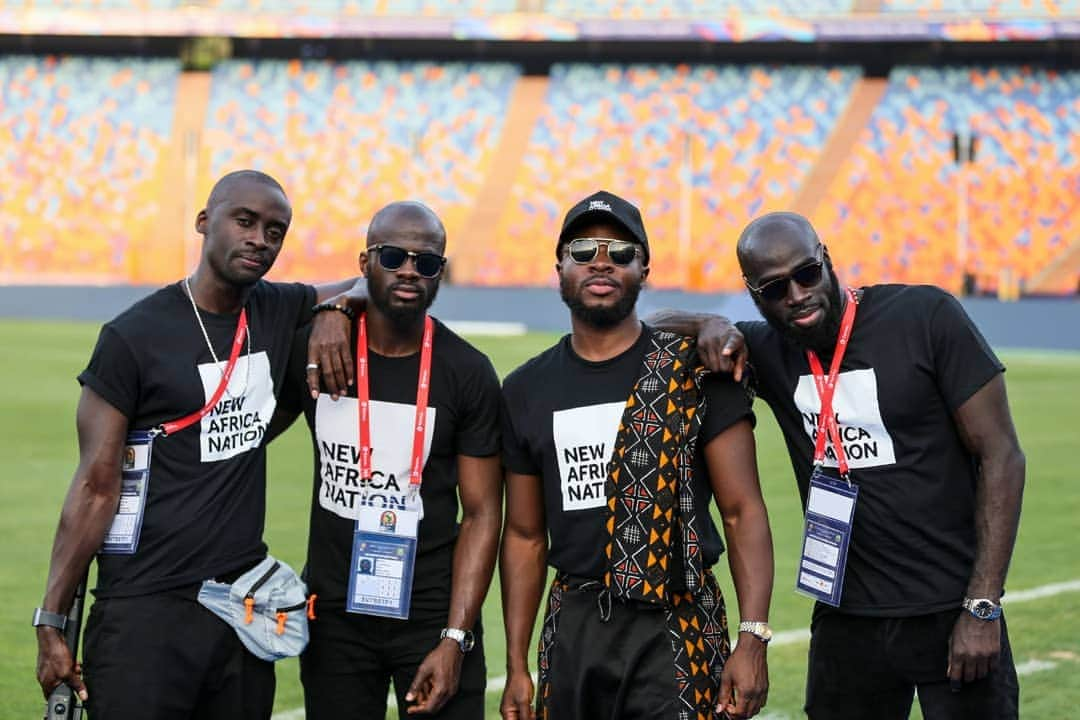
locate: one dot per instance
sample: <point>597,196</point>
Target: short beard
<point>402,317</point>
<point>604,316</point>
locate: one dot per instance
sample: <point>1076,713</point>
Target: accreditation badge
<point>122,537</point>
<point>830,507</point>
<point>383,560</point>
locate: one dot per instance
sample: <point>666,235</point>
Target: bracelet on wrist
<point>323,307</point>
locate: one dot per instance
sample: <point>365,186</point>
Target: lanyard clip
<point>846,477</point>
<point>155,431</point>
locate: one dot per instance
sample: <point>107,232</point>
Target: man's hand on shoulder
<point>721,347</point>
<point>436,679</point>
<point>329,353</point>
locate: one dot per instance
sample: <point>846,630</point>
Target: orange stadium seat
<point>894,208</point>
<point>81,141</point>
<point>345,139</point>
<point>702,150</point>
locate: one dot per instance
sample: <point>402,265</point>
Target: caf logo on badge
<point>388,521</point>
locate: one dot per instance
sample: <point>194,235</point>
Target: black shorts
<point>351,659</point>
<point>871,667</point>
<point>166,657</point>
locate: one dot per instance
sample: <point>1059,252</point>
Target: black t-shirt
<point>463,419</point>
<point>207,488</point>
<point>914,357</point>
<point>560,422</point>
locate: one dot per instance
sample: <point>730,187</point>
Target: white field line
<point>792,637</point>
<point>1034,666</point>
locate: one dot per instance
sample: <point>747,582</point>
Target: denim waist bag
<point>267,606</point>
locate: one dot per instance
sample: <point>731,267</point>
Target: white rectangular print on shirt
<point>584,442</point>
<point>338,436</point>
<point>863,434</point>
<point>239,420</point>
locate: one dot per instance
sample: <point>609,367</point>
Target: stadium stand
<point>894,207</point>
<point>404,8</point>
<point>345,139</point>
<point>984,8</point>
<point>429,8</point>
<point>702,149</point>
<point>81,143</point>
<point>704,9</point>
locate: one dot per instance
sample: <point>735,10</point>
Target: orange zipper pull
<point>281,617</point>
<point>311,606</point>
<point>249,610</point>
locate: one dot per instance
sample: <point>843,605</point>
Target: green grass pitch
<point>37,433</point>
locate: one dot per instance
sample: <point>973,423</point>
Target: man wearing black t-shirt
<point>614,445</point>
<point>924,423</point>
<point>435,657</point>
<point>151,650</point>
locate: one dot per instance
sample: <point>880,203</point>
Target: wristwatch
<point>44,617</point>
<point>464,638</point>
<point>982,608</point>
<point>758,629</point>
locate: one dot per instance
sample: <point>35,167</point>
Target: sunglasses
<point>584,250</point>
<point>427,264</point>
<point>807,276</point>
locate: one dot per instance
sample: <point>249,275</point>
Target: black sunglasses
<point>807,276</point>
<point>427,264</point>
<point>584,250</point>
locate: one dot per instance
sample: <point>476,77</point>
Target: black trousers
<point>351,659</point>
<point>600,667</point>
<point>870,667</point>
<point>166,657</point>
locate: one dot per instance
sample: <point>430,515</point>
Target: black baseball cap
<point>603,206</point>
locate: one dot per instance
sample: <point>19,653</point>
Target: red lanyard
<point>363,395</point>
<point>238,341</point>
<point>826,388</point>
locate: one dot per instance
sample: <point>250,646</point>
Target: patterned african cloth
<point>650,496</point>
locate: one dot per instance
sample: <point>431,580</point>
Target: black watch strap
<point>44,617</point>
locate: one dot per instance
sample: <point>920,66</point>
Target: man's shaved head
<point>768,229</point>
<point>771,250</point>
<point>406,219</point>
<point>223,186</point>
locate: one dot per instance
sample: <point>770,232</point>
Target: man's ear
<point>644,273</point>
<point>200,222</point>
<point>363,260</point>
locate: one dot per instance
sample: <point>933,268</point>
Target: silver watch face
<point>467,642</point>
<point>983,609</point>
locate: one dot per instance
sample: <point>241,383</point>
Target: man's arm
<point>522,571</point>
<point>88,510</point>
<point>281,421</point>
<point>732,465</point>
<point>721,346</point>
<point>480,489</point>
<point>329,353</point>
<point>986,428</point>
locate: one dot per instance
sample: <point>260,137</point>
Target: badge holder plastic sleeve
<point>122,537</point>
<point>826,539</point>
